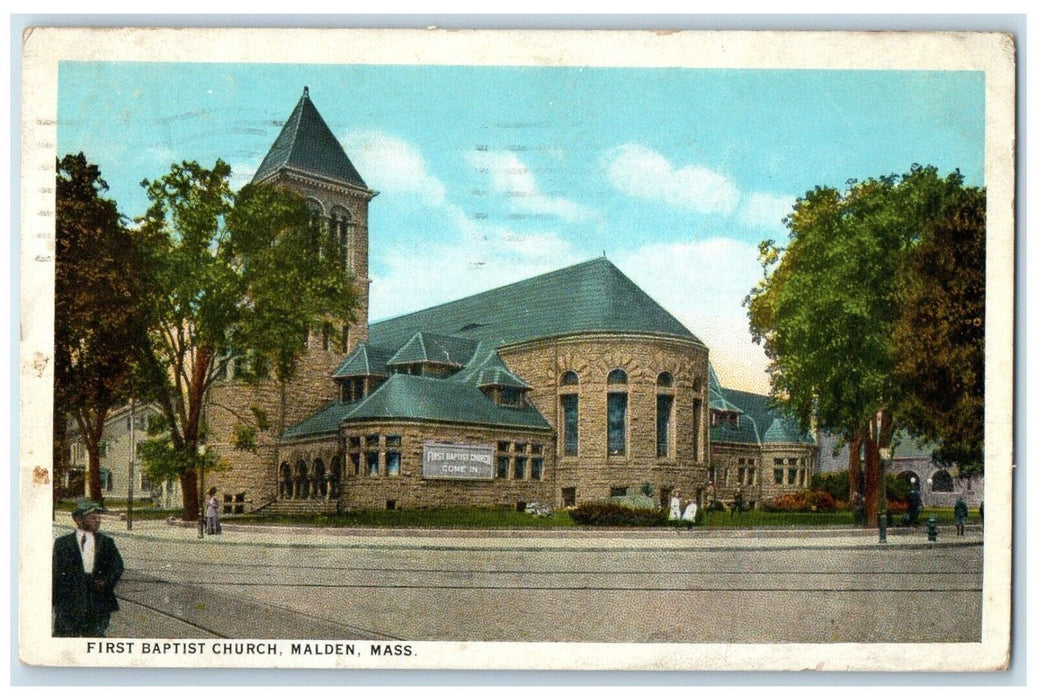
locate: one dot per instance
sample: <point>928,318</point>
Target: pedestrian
<point>86,567</point>
<point>690,511</point>
<point>961,514</point>
<point>212,513</point>
<point>738,504</point>
<point>675,505</point>
<point>858,509</point>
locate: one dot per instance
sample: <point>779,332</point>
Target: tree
<point>234,274</point>
<point>939,335</point>
<point>98,303</point>
<point>828,306</point>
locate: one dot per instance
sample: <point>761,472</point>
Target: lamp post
<point>884,455</point>
<point>201,491</point>
<point>133,450</point>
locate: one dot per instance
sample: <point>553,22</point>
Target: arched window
<point>617,413</point>
<point>943,481</point>
<point>570,405</point>
<point>341,228</point>
<point>318,484</point>
<point>664,415</point>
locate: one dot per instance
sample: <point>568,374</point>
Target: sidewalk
<point>540,539</point>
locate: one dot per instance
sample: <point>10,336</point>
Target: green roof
<point>364,361</point>
<point>766,416</point>
<point>593,296</point>
<point>410,397</point>
<point>435,347</point>
<point>308,145</point>
<point>323,422</point>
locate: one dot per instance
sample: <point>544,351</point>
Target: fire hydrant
<point>931,528</point>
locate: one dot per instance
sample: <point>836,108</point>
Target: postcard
<point>589,350</point>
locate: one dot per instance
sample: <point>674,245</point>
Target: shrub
<point>636,501</point>
<point>806,501</point>
<point>605,513</point>
<point>835,483</point>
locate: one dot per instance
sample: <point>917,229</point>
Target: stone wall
<point>593,473</point>
<point>409,489</point>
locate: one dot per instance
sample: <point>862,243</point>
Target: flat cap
<point>83,507</point>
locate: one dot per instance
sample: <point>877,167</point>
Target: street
<point>671,586</point>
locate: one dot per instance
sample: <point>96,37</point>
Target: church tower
<point>307,158</point>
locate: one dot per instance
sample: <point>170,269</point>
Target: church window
<point>392,463</point>
<point>663,414</point>
<point>502,467</point>
<point>617,413</point>
<point>537,469</point>
<point>520,467</point>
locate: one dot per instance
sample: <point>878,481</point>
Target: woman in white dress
<point>675,505</point>
<point>690,512</point>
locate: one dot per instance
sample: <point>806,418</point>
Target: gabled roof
<point>410,397</point>
<point>717,400</point>
<point>307,144</point>
<point>435,347</point>
<point>364,361</point>
<point>775,424</point>
<point>493,372</point>
<point>593,296</point>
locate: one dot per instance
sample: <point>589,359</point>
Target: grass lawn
<point>509,518</point>
<point>462,518</point>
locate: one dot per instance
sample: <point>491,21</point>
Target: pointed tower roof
<point>306,144</point>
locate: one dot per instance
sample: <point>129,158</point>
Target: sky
<point>490,175</point>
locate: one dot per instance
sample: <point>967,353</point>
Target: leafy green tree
<point>98,297</point>
<point>234,274</point>
<point>827,308</point>
<point>939,335</point>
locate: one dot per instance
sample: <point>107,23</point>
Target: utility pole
<point>133,453</point>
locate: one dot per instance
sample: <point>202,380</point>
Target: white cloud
<point>763,210</point>
<point>643,173</point>
<point>703,284</point>
<point>511,177</point>
<point>392,164</point>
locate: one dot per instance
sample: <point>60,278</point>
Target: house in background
<point>118,449</point>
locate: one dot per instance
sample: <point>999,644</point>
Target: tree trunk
<point>189,489</point>
<point>872,479</point>
<point>93,433</point>
<point>93,470</point>
<point>854,468</point>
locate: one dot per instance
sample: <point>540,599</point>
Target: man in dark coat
<point>87,565</point>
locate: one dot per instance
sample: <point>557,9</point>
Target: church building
<point>568,387</point>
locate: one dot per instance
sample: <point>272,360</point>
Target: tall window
<point>617,412</point>
<point>341,224</point>
<point>570,414</point>
<point>663,414</point>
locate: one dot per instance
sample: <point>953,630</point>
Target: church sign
<point>441,461</point>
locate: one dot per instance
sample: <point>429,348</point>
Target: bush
<point>835,483</point>
<point>806,501</point>
<point>605,513</point>
<point>636,501</point>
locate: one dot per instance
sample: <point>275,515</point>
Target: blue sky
<point>488,175</point>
